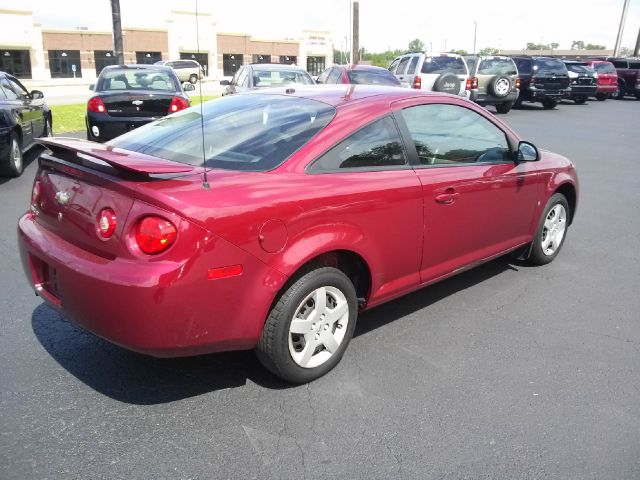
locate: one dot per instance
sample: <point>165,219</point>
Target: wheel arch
<point>569,191</point>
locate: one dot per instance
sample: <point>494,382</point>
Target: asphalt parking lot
<point>505,372</point>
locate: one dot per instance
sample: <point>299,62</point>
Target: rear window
<point>279,78</point>
<point>369,77</point>
<point>549,66</point>
<point>497,66</point>
<point>604,68</point>
<point>619,63</point>
<point>136,79</point>
<point>634,65</point>
<point>578,68</point>
<point>471,62</point>
<point>241,132</point>
<point>444,65</point>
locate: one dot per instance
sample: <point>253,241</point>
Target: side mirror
<point>35,94</point>
<point>527,152</point>
<point>189,87</point>
<point>92,86</point>
<point>224,82</point>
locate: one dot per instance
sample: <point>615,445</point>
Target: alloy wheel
<point>554,229</point>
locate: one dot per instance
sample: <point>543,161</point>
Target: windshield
<point>136,79</point>
<point>241,132</point>
<point>373,77</point>
<point>604,68</point>
<point>443,65</point>
<point>549,66</point>
<point>280,78</point>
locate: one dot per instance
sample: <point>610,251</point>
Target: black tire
<point>517,103</point>
<point>447,83</point>
<point>273,348</point>
<point>504,107</point>
<point>549,103</point>
<point>601,97</point>
<point>580,99</point>
<point>537,255</point>
<point>500,86</point>
<point>193,78</point>
<point>13,164</point>
<point>619,95</point>
<point>638,96</point>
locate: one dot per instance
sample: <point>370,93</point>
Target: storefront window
<point>289,59</point>
<point>261,58</point>
<point>148,58</point>
<point>231,62</point>
<point>103,58</point>
<point>315,65</point>
<point>65,64</point>
<point>201,58</point>
<point>16,62</point>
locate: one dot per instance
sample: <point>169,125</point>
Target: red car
<point>607,78</point>
<point>358,75</point>
<point>315,204</point>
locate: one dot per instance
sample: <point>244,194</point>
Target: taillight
<point>177,104</point>
<point>155,235</point>
<point>35,193</point>
<point>106,223</point>
<point>96,105</point>
<point>471,83</point>
<point>518,83</point>
<point>417,82</point>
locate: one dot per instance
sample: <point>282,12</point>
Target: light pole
<point>625,7</point>
<point>475,32</point>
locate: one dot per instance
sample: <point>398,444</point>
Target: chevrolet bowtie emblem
<point>137,102</point>
<point>62,197</point>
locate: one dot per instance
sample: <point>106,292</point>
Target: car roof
<point>275,66</point>
<point>342,94</point>
<point>137,66</point>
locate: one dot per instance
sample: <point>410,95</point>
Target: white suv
<point>441,72</point>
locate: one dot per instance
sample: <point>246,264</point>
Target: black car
<point>584,81</point>
<point>129,96</point>
<point>542,79</point>
<point>24,117</point>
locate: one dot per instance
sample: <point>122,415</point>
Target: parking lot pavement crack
<point>312,408</point>
<point>394,455</point>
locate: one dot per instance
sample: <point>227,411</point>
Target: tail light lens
<point>518,83</point>
<point>35,193</point>
<point>96,105</point>
<point>417,82</point>
<point>177,104</point>
<point>471,83</point>
<point>155,235</point>
<point>106,223</point>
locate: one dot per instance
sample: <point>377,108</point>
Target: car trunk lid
<point>137,104</point>
<point>550,82</point>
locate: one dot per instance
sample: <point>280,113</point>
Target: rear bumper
<point>540,94</point>
<point>160,308</point>
<point>111,127</point>
<point>488,99</point>
<point>607,88</point>
<point>583,90</point>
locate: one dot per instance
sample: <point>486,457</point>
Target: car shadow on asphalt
<point>142,380</point>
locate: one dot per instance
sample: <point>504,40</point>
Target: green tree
<point>554,45</point>
<point>416,45</point>
<point>459,52</point>
<point>593,46</point>
<point>577,45</point>
<point>488,51</point>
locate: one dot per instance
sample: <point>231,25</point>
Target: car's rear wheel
<point>310,326</point>
<point>601,97</point>
<point>549,103</point>
<point>504,107</point>
<point>551,231</point>
<point>580,99</point>
<point>619,95</point>
<point>193,78</point>
<point>13,165</point>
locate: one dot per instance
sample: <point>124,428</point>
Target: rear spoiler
<point>116,157</point>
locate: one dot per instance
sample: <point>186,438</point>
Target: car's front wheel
<point>504,107</point>
<point>601,97</point>
<point>12,166</point>
<point>580,99</point>
<point>310,326</point>
<point>549,103</point>
<point>552,230</point>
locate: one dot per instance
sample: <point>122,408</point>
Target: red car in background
<point>358,75</point>
<point>607,78</point>
<point>273,220</point>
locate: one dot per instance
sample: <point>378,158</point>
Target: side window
<point>377,145</point>
<point>322,78</point>
<point>234,80</point>
<point>394,64</point>
<point>334,76</point>
<point>524,66</point>
<point>412,66</point>
<point>241,81</point>
<point>10,89</point>
<point>403,65</point>
<point>453,135</point>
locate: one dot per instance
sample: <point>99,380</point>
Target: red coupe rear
<point>316,204</point>
<point>607,78</point>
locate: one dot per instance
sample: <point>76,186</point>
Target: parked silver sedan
<point>265,75</point>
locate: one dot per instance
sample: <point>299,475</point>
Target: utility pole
<point>355,47</point>
<point>475,32</point>
<point>621,28</point>
<point>117,32</point>
<point>636,50</point>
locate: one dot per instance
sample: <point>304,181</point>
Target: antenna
<point>205,183</point>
